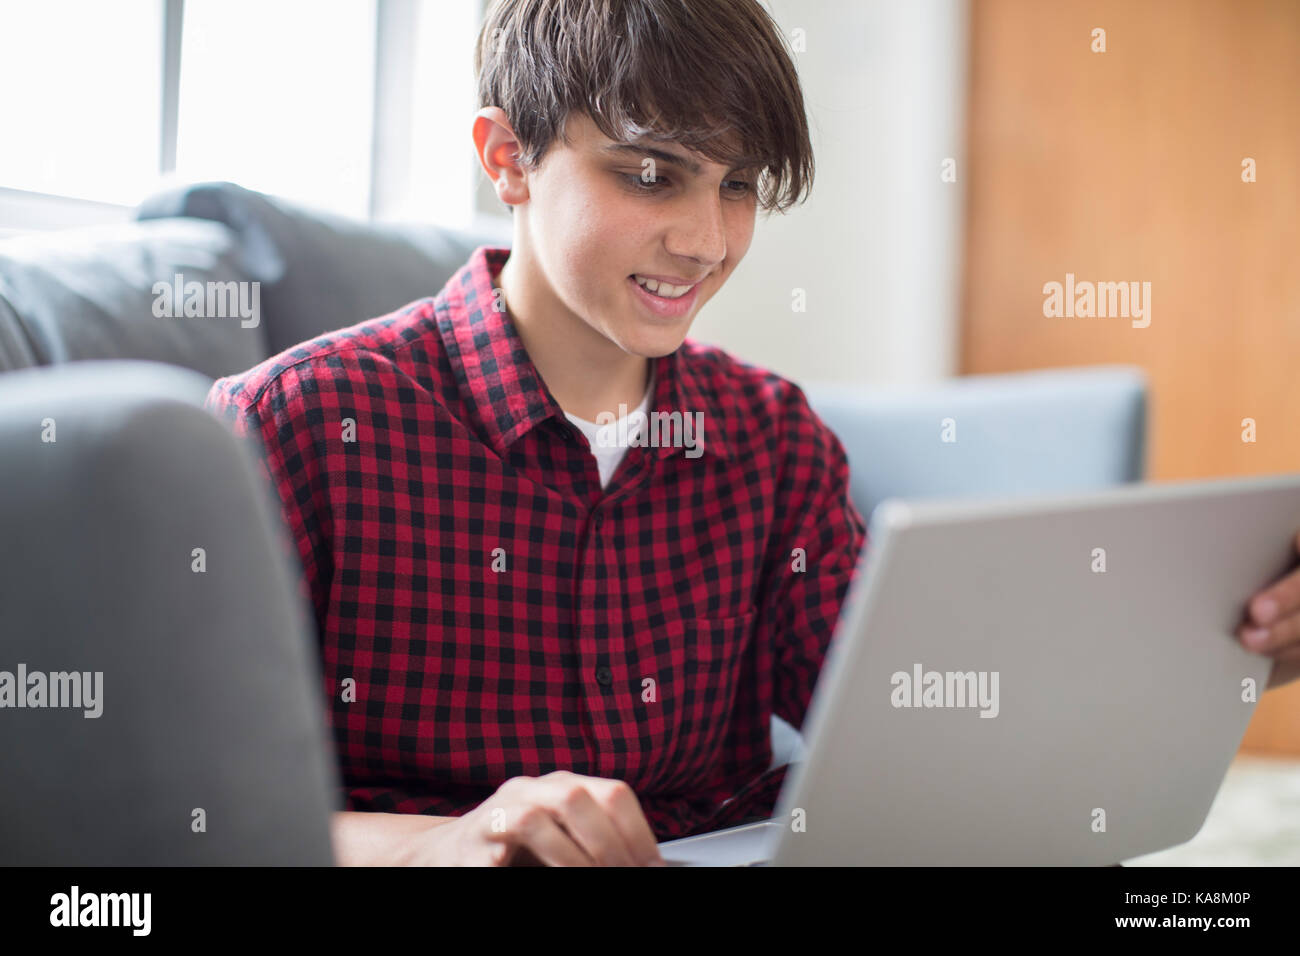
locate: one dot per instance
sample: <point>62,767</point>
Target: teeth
<point>663,289</point>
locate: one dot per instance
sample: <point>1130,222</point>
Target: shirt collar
<point>500,381</point>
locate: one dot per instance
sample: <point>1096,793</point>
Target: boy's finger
<point>625,810</point>
<point>1281,635</point>
<point>1277,600</point>
<point>576,810</point>
<point>548,841</point>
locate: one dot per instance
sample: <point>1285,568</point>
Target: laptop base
<point>750,844</point>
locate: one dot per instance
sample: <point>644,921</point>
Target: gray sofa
<point>143,554</point>
<point>90,294</point>
<point>100,525</point>
<point>177,719</point>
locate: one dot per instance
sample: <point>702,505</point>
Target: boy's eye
<point>737,187</point>
<point>644,185</point>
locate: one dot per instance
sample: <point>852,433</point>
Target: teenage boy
<point>538,647</point>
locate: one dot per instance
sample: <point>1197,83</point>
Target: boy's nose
<point>701,235</point>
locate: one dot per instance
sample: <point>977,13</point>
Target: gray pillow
<point>15,347</point>
<point>324,272</point>
<point>92,294</point>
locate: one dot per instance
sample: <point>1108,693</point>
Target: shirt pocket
<point>713,655</point>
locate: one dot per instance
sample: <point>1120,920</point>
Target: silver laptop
<point>1038,681</point>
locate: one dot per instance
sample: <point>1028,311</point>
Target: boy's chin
<point>656,343</point>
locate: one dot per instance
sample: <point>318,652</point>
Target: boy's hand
<point>561,819</point>
<point>1273,626</point>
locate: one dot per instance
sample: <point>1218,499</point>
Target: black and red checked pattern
<point>500,613</point>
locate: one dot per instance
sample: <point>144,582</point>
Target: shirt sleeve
<point>818,541</point>
<point>276,429</point>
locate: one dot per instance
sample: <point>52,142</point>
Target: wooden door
<point>1127,166</point>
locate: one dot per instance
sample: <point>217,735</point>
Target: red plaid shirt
<point>500,613</point>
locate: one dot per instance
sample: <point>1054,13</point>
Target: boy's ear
<point>498,153</point>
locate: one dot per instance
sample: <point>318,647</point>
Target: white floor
<point>1254,821</point>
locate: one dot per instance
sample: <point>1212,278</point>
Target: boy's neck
<point>586,372</point>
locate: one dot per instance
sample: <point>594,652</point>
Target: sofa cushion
<point>324,272</point>
<point>15,347</point>
<point>94,293</point>
<point>208,688</point>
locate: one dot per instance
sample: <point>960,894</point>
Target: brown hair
<point>681,71</point>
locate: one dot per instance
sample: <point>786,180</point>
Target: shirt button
<point>604,676</point>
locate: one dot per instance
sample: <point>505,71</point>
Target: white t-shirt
<point>604,439</point>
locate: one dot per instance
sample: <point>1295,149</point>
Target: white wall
<point>877,244</point>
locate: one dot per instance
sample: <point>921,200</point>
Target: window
<point>278,97</point>
<point>360,107</point>
<point>80,108</point>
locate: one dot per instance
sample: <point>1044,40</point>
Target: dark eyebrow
<point>664,156</point>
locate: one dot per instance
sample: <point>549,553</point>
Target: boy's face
<point>595,217</point>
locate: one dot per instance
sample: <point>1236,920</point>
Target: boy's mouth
<point>666,300</point>
<point>665,290</point>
